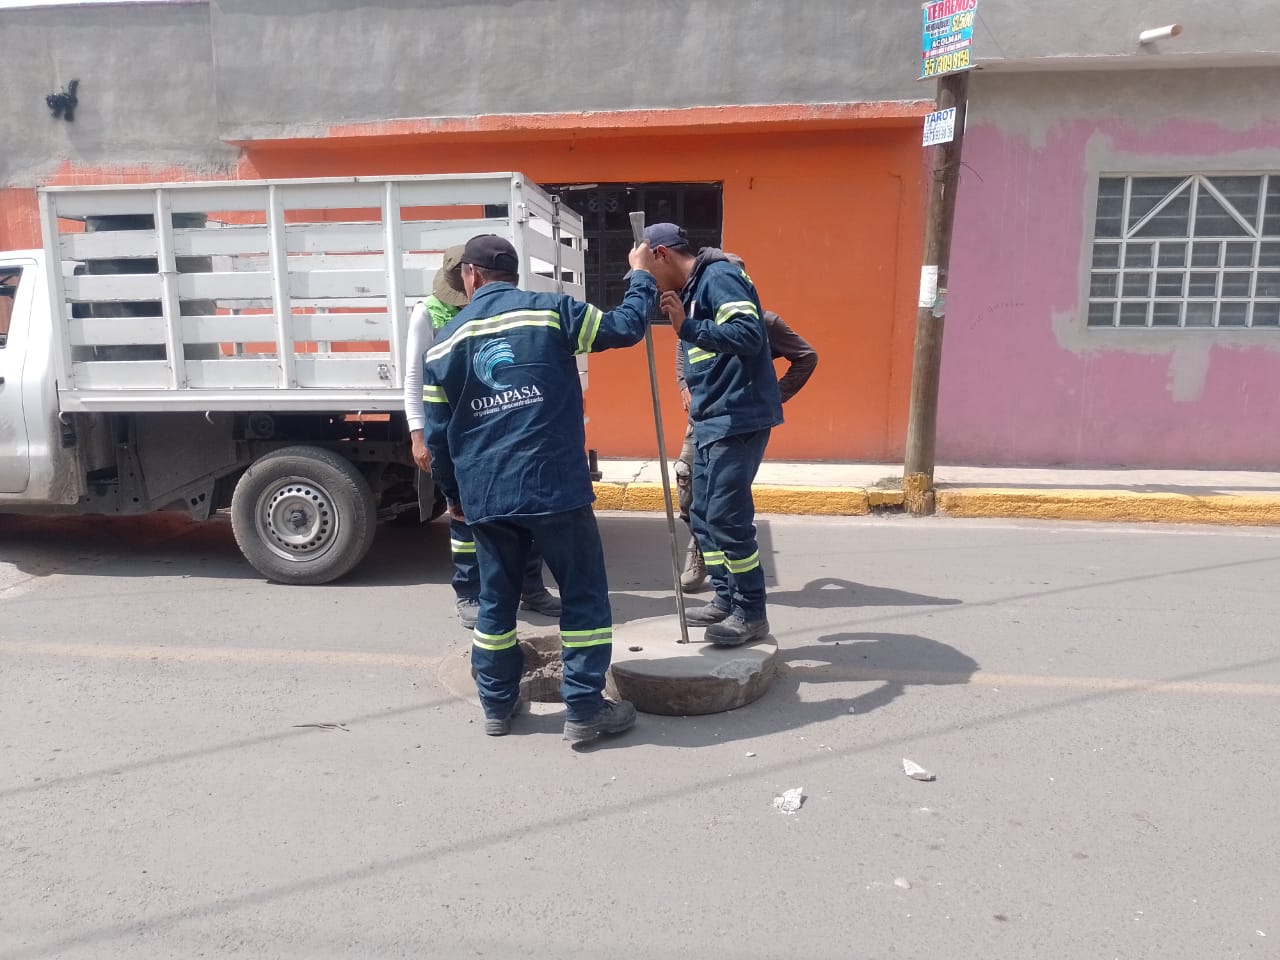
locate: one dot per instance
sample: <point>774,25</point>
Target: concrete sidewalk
<point>856,489</point>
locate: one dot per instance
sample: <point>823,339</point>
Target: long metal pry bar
<point>637,233</point>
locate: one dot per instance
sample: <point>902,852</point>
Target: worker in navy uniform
<point>431,315</point>
<point>508,449</point>
<point>802,360</point>
<point>734,404</point>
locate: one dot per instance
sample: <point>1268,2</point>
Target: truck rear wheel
<point>303,515</point>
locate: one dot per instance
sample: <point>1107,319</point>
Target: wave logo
<point>489,358</point>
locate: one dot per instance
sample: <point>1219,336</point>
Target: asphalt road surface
<point>196,763</point>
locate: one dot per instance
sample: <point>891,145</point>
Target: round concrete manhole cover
<point>660,675</point>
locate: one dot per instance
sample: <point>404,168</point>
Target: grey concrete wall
<point>164,85</point>
<point>1047,32</point>
<point>146,89</point>
<point>289,66</point>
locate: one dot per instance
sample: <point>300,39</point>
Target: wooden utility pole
<point>922,423</point>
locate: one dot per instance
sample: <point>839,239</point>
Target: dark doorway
<point>604,207</point>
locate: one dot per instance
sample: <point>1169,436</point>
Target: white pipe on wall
<point>1160,33</point>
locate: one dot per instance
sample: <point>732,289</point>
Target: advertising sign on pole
<point>947,40</point>
<point>940,127</point>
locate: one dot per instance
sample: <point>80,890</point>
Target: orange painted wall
<point>828,219</point>
<point>829,222</point>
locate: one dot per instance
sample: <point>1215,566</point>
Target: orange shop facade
<point>826,205</point>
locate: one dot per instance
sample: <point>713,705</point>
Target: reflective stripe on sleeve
<point>590,327</point>
<point>737,306</point>
<point>698,355</point>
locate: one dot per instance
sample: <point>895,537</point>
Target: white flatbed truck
<point>240,345</point>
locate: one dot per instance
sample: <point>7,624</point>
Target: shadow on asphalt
<point>893,662</point>
<point>174,545</point>
<point>157,545</point>
<point>830,593</point>
<point>637,550</point>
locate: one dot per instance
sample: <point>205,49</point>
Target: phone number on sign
<point>946,63</point>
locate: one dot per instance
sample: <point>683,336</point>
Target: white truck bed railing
<point>271,295</point>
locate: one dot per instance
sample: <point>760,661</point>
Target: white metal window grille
<point>1186,251</point>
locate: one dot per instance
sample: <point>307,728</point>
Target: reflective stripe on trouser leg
<point>496,658</point>
<point>712,555</point>
<point>730,466</point>
<point>746,565</point>
<point>466,568</point>
<point>570,542</point>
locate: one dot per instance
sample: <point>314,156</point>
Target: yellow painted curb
<point>809,501</point>
<point>1124,506</point>
<point>1112,505</point>
<point>885,498</point>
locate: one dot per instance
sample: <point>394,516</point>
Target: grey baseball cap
<point>668,235</point>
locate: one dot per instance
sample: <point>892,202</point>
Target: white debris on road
<point>790,801</point>
<point>915,771</point>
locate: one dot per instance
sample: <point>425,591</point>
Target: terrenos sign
<point>947,36</point>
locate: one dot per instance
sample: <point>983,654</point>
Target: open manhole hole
<point>543,669</point>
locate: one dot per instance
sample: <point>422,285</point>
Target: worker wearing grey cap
<point>802,360</point>
<point>734,405</point>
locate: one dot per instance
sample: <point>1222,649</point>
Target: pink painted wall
<point>1024,381</point>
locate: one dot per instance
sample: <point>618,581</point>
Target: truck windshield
<point>9,277</point>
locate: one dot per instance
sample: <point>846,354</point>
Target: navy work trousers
<point>570,542</point>
<point>723,518</point>
<point>466,568</point>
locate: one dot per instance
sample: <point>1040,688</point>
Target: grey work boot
<point>694,576</point>
<point>705,616</point>
<point>734,631</point>
<point>544,603</point>
<point>501,726</point>
<point>468,612</point>
<point>613,718</point>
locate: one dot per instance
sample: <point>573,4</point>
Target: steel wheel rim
<point>297,519</point>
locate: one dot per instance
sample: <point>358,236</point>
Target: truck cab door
<point>17,282</point>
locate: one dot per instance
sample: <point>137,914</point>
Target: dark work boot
<point>734,631</point>
<point>544,603</point>
<point>613,718</point>
<point>501,726</point>
<point>705,616</point>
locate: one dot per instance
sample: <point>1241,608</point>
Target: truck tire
<point>303,516</point>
